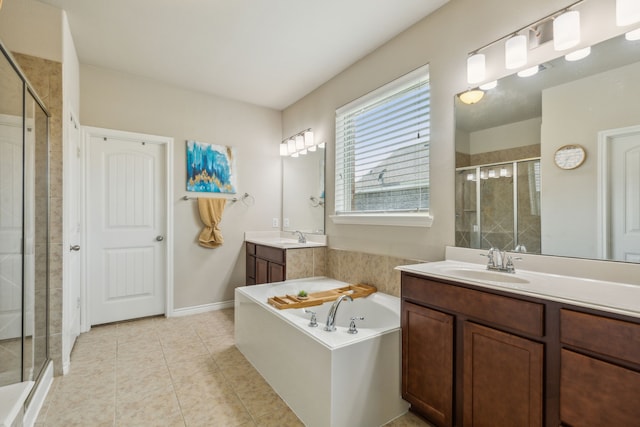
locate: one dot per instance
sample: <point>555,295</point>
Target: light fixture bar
<point>533,24</point>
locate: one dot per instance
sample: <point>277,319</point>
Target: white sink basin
<point>485,275</point>
<point>284,243</point>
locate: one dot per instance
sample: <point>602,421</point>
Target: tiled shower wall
<point>45,77</point>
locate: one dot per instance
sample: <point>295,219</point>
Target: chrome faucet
<point>331,318</point>
<point>301,236</point>
<point>500,261</point>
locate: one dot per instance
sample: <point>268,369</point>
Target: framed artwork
<point>211,168</point>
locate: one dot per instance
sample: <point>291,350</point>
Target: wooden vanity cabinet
<point>599,370</point>
<point>265,264</point>
<point>463,364</point>
<point>427,360</point>
<point>479,357</point>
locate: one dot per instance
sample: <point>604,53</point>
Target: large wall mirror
<point>303,192</point>
<point>511,194</point>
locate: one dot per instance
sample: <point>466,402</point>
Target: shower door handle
<point>74,248</point>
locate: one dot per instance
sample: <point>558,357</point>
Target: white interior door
<point>126,225</point>
<point>625,197</point>
<point>11,217</point>
<point>73,233</point>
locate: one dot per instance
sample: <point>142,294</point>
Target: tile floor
<point>183,371</point>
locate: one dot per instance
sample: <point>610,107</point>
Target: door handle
<point>74,248</point>
<point>159,238</point>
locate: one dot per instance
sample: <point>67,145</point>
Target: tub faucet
<point>301,237</point>
<point>331,318</point>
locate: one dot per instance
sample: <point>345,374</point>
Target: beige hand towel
<point>211,215</point>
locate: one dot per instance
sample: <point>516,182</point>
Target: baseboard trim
<point>199,309</point>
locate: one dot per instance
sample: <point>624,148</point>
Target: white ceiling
<point>265,52</point>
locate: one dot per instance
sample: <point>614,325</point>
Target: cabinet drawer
<point>272,254</point>
<point>524,316</point>
<point>596,393</point>
<point>615,338</point>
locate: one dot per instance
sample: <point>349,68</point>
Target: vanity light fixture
<point>471,96</point>
<point>299,144</point>
<point>566,30</point>
<point>528,72</point>
<point>633,35</point>
<point>515,52</point>
<point>475,68</point>
<point>489,85</point>
<point>308,138</point>
<point>578,54</point>
<point>627,12</point>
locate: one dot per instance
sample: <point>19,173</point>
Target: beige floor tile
<point>408,420</point>
<point>197,366</point>
<point>129,387</point>
<point>218,343</point>
<point>181,349</point>
<point>151,407</point>
<point>279,418</point>
<point>197,390</point>
<point>261,401</point>
<point>88,411</point>
<point>223,410</point>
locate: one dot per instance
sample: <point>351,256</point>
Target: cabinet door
<point>597,393</point>
<point>503,383</point>
<point>276,272</point>
<point>262,271</point>
<point>427,362</point>
<point>251,270</point>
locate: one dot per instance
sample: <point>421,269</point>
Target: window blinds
<point>382,148</point>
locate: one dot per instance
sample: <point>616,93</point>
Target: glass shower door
<point>11,223</point>
<point>497,222</point>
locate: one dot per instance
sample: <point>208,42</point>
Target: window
<point>382,151</point>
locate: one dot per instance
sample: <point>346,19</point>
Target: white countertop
<point>614,297</point>
<point>285,239</point>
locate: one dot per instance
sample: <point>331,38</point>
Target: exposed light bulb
<point>308,138</point>
<point>627,12</point>
<point>475,68</point>
<point>515,52</point>
<point>566,30</point>
<point>528,72</point>
<point>578,54</point>
<point>489,85</point>
<point>299,142</point>
<point>633,35</point>
<point>291,146</point>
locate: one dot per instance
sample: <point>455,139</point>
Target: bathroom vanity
<point>265,264</point>
<point>272,257</point>
<point>489,348</point>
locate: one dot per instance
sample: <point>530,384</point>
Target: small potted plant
<point>303,295</point>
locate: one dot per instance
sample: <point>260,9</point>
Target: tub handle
<point>352,325</point>
<point>313,322</point>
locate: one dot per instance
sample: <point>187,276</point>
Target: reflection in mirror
<point>303,192</point>
<point>581,212</point>
<point>11,214</point>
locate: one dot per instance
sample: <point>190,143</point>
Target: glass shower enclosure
<point>498,205</point>
<point>24,227</point>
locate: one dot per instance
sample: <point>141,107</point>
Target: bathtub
<point>329,379</point>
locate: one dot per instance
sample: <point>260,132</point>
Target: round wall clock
<point>570,156</point>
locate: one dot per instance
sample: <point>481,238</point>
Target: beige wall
<point>121,101</point>
<point>574,113</point>
<point>518,134</point>
<point>443,40</point>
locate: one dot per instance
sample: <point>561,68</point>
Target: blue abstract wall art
<point>210,168</point>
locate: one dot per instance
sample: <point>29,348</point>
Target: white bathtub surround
<point>329,379</point>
